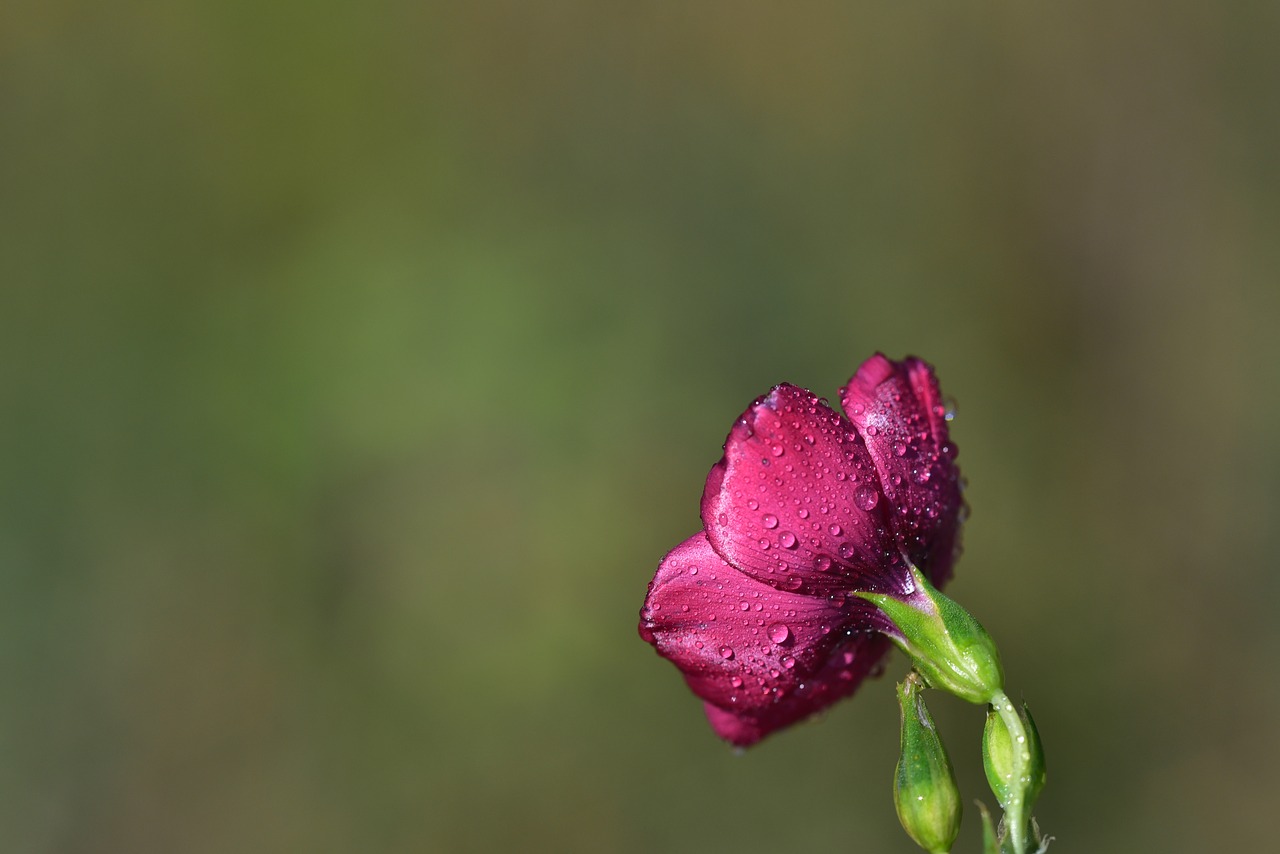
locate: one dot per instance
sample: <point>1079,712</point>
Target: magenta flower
<point>759,610</point>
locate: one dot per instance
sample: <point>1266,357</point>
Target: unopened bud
<point>925,791</point>
<point>1014,761</point>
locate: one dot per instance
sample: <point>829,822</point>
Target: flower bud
<point>925,791</point>
<point>1014,762</point>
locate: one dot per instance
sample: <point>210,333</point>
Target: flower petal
<point>764,658</point>
<point>857,657</point>
<point>796,501</point>
<point>898,409</point>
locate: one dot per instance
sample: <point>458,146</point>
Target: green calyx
<point>925,792</point>
<point>950,649</point>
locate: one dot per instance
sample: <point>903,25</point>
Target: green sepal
<point>1036,774</point>
<point>925,792</point>
<point>990,842</point>
<point>951,649</point>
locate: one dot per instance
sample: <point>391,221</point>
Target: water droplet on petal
<point>835,530</point>
<point>866,497</point>
<point>736,681</point>
<point>744,606</point>
<point>753,504</point>
<point>778,633</point>
<point>787,540</point>
<point>769,520</point>
<point>900,448</point>
<point>788,662</point>
<point>822,563</point>
<point>726,652</point>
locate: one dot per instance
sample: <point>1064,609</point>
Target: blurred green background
<point>360,361</point>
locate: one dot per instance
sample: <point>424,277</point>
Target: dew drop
<point>900,448</point>
<point>763,544</point>
<point>753,504</point>
<point>778,632</point>
<point>776,450</point>
<point>788,662</point>
<point>744,606</point>
<point>822,563</point>
<point>726,652</point>
<point>769,520</point>
<point>866,497</point>
<point>835,530</point>
<point>736,681</point>
<point>787,540</point>
<point>845,551</point>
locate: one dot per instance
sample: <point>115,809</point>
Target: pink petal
<point>856,658</point>
<point>796,502</point>
<point>764,658</point>
<point>898,409</point>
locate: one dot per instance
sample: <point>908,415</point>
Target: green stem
<point>1015,818</point>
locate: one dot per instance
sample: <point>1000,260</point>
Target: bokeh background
<point>359,362</point>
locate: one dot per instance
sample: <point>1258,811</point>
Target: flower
<point>760,610</point>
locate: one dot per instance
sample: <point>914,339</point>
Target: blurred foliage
<point>358,363</point>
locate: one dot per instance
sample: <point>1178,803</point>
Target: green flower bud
<point>925,791</point>
<point>952,651</point>
<point>1014,762</point>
